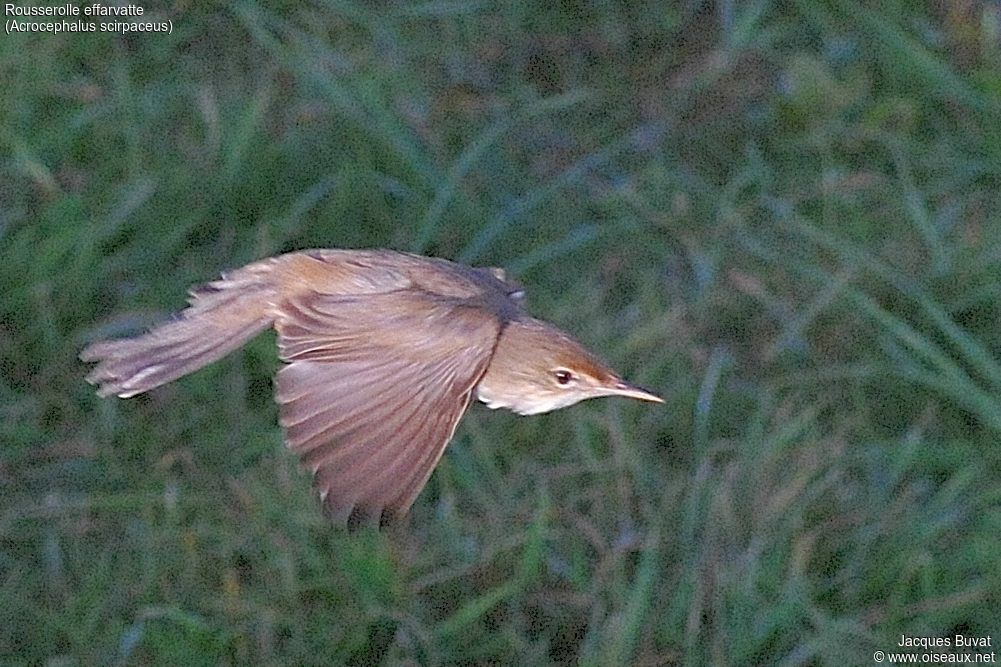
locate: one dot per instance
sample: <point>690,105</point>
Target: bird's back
<point>379,271</point>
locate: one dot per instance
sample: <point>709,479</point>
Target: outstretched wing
<point>373,390</point>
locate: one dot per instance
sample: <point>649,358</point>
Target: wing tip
<point>356,516</point>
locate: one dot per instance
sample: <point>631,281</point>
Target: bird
<point>382,353</point>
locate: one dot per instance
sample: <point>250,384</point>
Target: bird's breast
<point>492,401</point>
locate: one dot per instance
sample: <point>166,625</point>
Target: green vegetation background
<point>784,216</point>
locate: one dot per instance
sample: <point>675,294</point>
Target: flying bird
<point>382,353</point>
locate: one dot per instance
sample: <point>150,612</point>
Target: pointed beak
<point>622,388</point>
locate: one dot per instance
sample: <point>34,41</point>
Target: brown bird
<point>383,351</point>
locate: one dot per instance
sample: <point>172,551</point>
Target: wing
<point>374,388</point>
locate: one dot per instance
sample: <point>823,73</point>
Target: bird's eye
<point>563,377</point>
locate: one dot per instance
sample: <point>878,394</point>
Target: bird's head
<point>537,368</point>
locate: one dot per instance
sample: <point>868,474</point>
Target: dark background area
<point>782,216</point>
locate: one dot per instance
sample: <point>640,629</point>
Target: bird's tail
<point>222,316</point>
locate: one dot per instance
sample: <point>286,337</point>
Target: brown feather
<point>383,351</point>
<point>374,389</point>
<point>223,315</point>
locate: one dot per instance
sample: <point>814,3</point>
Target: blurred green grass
<point>783,216</point>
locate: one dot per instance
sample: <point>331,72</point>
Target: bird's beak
<point>622,388</point>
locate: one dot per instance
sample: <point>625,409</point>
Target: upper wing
<point>373,390</point>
